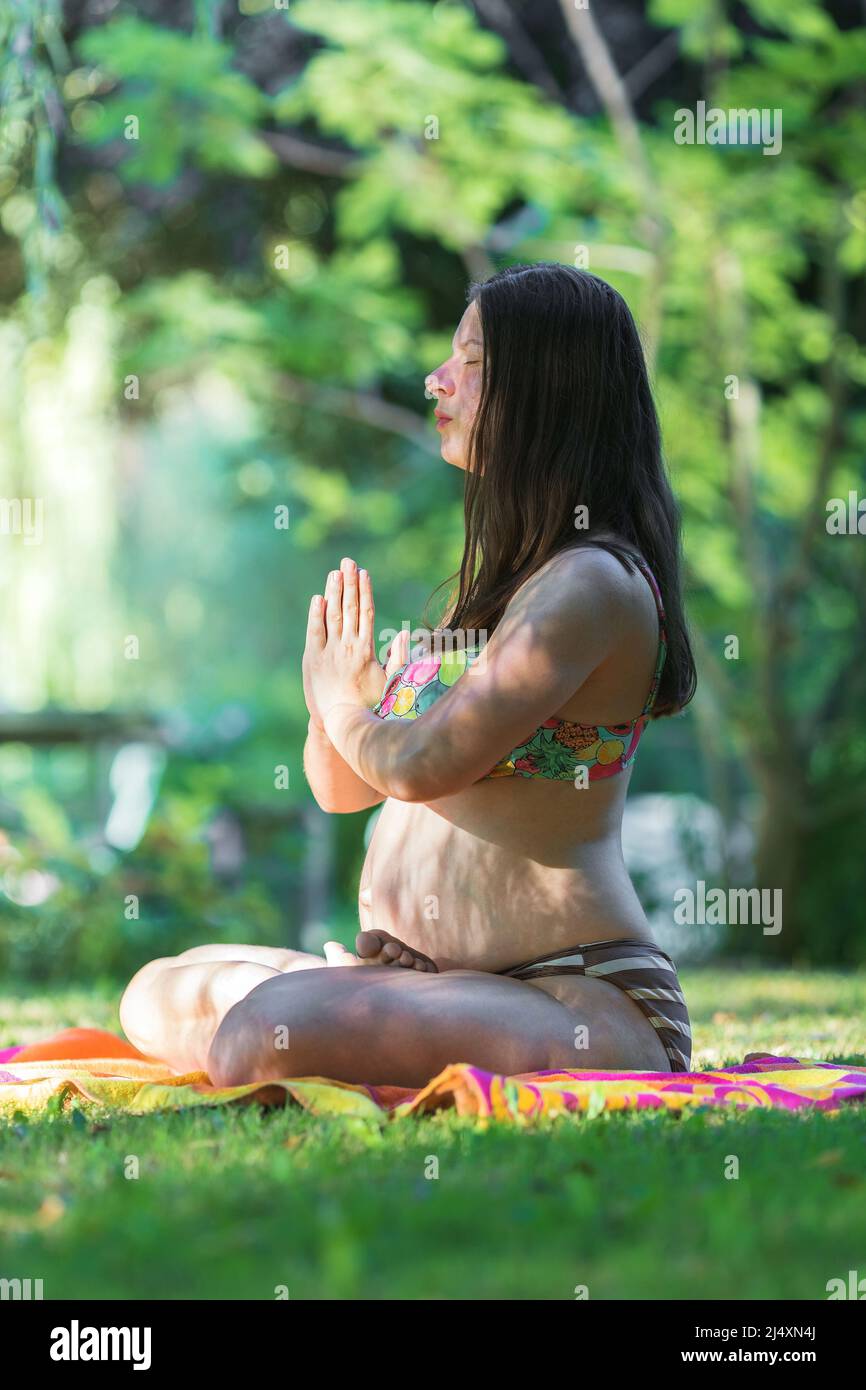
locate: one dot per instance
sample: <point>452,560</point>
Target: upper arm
<point>559,627</point>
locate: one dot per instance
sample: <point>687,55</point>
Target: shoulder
<point>579,585</point>
<point>586,566</point>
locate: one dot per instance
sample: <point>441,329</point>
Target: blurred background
<point>233,240</point>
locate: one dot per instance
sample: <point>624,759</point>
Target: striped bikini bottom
<point>642,970</point>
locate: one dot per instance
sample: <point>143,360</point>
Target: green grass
<point>232,1203</point>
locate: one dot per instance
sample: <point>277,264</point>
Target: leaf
<point>596,1103</point>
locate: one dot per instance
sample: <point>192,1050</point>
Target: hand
<point>339,665</point>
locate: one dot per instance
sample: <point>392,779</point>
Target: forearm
<point>334,784</point>
<point>383,754</point>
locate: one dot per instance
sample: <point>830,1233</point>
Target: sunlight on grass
<point>816,1014</point>
<point>29,1013</point>
<point>232,1203</point>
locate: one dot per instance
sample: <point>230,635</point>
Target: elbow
<point>346,805</point>
<point>335,800</point>
<point>406,788</point>
<point>417,781</point>
<point>322,798</point>
<point>424,768</point>
<point>422,791</point>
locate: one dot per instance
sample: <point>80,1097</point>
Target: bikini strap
<point>663,641</point>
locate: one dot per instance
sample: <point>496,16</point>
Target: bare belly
<point>503,872</point>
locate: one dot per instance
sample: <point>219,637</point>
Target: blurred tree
<point>288,223</point>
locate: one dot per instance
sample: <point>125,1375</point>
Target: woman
<point>494,886</point>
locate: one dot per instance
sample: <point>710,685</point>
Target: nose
<point>438,383</point>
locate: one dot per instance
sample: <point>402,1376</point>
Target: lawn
<point>236,1203</point>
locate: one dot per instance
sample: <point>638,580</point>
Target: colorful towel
<point>103,1070</point>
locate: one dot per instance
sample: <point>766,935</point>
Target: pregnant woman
<point>499,925</point>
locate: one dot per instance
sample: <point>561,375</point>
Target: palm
<point>373,678</point>
<point>374,682</point>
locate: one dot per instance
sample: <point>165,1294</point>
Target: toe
<point>368,944</point>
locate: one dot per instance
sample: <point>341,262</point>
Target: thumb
<point>398,654</point>
<point>336,953</point>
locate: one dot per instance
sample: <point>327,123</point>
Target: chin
<point>449,455</point>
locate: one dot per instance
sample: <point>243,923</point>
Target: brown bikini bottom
<point>642,970</point>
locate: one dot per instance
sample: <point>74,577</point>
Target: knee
<point>234,1056</point>
<point>271,1034</point>
<point>136,1003</point>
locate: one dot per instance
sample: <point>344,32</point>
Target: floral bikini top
<point>555,750</point>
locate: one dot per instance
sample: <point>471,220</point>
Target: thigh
<point>172,1011</point>
<point>400,1027</point>
<point>631,1023</point>
<point>172,1006</point>
<point>277,957</point>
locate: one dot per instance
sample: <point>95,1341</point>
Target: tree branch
<point>314,159</point>
<point>526,56</point>
<point>835,389</point>
<point>721,685</point>
<point>744,410</point>
<point>614,97</point>
<point>361,407</point>
<point>477,262</point>
<point>652,65</point>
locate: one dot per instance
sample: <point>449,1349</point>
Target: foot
<point>379,948</point>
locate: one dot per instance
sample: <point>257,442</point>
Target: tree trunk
<point>781,850</point>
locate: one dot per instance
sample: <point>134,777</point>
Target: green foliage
<point>189,104</point>
<point>448,140</point>
<point>31,53</point>
<point>280,307</point>
<point>103,913</point>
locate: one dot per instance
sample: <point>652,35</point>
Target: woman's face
<point>457,388</point>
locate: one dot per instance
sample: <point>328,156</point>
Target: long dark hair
<point>565,419</point>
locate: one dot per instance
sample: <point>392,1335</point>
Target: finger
<point>316,635</point>
<point>366,611</point>
<point>399,653</point>
<point>337,954</point>
<point>334,604</point>
<point>349,571</point>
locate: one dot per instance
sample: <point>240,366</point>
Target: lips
<point>441,418</point>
